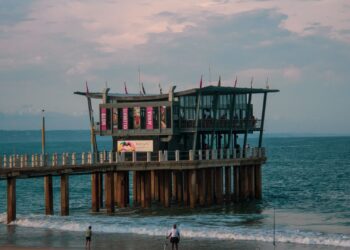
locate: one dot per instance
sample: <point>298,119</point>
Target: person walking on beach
<point>174,236</point>
<point>88,234</point>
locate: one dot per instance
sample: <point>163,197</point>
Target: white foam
<point>191,227</point>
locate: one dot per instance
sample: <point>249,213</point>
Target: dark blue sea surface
<point>306,181</point>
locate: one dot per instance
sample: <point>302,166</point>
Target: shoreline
<point>23,238</point>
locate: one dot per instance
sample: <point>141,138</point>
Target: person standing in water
<point>88,234</point>
<point>174,236</point>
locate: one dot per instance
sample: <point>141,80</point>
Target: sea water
<point>306,187</point>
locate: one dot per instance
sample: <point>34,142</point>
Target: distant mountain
<point>53,121</point>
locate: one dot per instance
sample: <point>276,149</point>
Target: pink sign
<point>103,119</point>
<point>149,118</point>
<point>125,119</point>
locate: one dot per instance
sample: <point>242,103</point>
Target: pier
<point>187,148</point>
<point>193,178</point>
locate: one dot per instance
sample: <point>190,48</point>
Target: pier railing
<point>85,158</point>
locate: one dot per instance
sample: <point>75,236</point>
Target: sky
<point>48,49</point>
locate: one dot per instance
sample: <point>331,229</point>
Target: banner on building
<point>115,119</point>
<point>137,118</point>
<point>135,146</point>
<point>125,119</point>
<point>163,116</point>
<point>149,118</point>
<point>103,122</point>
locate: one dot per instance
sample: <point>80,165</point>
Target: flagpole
<point>139,79</point>
<point>43,133</point>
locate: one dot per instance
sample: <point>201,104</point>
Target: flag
<point>87,88</point>
<point>201,82</point>
<point>235,82</point>
<point>160,89</point>
<point>126,90</point>
<point>143,89</point>
<point>251,83</point>
<point>219,83</point>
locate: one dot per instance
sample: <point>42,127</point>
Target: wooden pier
<point>170,178</point>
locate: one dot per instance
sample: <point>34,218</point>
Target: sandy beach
<point>20,238</point>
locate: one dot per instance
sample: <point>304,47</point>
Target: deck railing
<point>84,158</point>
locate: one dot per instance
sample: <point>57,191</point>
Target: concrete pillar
<point>161,186</point>
<point>209,181</point>
<point>138,186</point>
<point>179,188</point>
<point>64,195</point>
<point>147,189</point>
<point>258,182</point>
<point>156,186</point>
<point>202,186</point>
<point>95,206</point>
<point>48,195</point>
<point>193,193</point>
<point>153,188</point>
<point>134,188</point>
<point>251,188</point>
<point>11,200</point>
<point>167,187</point>
<point>174,185</point>
<point>236,183</point>
<point>100,189</point>
<point>143,189</point>
<point>218,185</point>
<point>109,180</point>
<point>228,184</point>
<point>185,188</point>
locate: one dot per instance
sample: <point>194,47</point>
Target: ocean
<point>306,188</point>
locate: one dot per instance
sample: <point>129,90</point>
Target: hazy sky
<point>48,49</point>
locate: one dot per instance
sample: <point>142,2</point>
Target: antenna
<point>139,79</point>
<point>209,75</point>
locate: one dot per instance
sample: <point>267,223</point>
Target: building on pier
<point>211,117</point>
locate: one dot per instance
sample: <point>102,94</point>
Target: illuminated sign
<point>135,146</point>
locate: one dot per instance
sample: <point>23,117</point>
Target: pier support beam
<point>167,187</point>
<point>258,184</point>
<point>251,182</point>
<point>185,188</point>
<point>236,183</point>
<point>109,185</point>
<point>202,186</point>
<point>228,184</point>
<point>134,188</point>
<point>48,195</point>
<point>148,197</point>
<point>179,186</point>
<point>210,185</point>
<point>193,193</point>
<point>218,185</point>
<point>64,195</point>
<point>11,200</point>
<point>95,198</point>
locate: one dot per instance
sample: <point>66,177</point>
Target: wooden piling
<point>147,189</point>
<point>11,200</point>
<point>64,195</point>
<point>48,195</point>
<point>109,185</point>
<point>251,182</point>
<point>134,188</point>
<point>143,189</point>
<point>95,200</point>
<point>156,186</point>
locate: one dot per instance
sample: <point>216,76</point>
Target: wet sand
<point>19,238</point>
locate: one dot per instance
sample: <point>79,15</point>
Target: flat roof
<point>154,97</point>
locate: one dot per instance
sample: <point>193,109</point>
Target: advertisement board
<point>135,146</point>
<point>103,119</point>
<point>163,117</point>
<point>125,119</point>
<point>137,118</point>
<point>149,118</point>
<point>115,119</point>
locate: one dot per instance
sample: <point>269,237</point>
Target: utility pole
<point>43,136</point>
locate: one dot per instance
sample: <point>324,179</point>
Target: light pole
<point>43,133</point>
